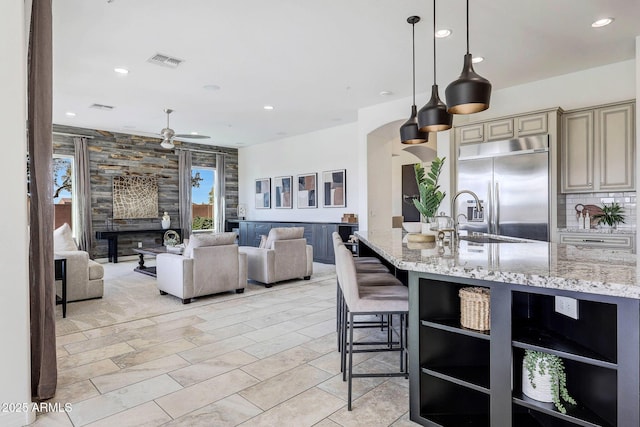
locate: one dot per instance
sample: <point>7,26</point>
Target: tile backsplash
<point>567,203</point>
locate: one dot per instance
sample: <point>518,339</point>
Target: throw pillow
<point>283,233</point>
<point>63,239</point>
<point>263,242</point>
<point>208,239</point>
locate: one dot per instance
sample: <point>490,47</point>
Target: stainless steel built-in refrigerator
<point>511,179</point>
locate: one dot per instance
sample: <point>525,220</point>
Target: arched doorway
<point>385,158</point>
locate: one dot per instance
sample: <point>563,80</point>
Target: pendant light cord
<point>467,27</point>
<point>435,81</point>
<point>413,38</point>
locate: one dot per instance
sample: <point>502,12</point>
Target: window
<point>63,190</point>
<point>202,198</point>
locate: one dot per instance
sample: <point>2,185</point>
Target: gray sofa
<point>283,255</point>
<point>210,264</point>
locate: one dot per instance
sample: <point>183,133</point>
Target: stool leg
<point>402,338</point>
<point>350,360</point>
<point>338,313</point>
<point>343,334</point>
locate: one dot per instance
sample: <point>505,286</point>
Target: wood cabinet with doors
<point>598,149</point>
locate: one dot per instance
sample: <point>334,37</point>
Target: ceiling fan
<point>168,134</point>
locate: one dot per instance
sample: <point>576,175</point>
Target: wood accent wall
<point>114,154</point>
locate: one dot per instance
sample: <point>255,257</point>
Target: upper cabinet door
<point>500,129</point>
<point>534,124</point>
<point>470,133</point>
<point>616,141</point>
<point>577,152</point>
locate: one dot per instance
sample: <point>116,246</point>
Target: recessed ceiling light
<point>386,93</point>
<point>602,22</point>
<point>268,107</point>
<point>211,87</point>
<point>477,59</point>
<point>70,114</point>
<point>121,70</point>
<point>443,33</point>
<point>194,133</point>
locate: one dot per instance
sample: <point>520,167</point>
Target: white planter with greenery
<point>544,379</point>
<point>430,194</point>
<point>611,216</point>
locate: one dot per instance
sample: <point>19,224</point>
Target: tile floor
<point>263,358</point>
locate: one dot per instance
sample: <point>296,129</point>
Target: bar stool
<point>364,265</point>
<point>370,300</point>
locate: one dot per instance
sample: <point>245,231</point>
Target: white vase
<point>166,220</point>
<point>542,391</point>
<point>426,228</point>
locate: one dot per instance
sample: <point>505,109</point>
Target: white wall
<point>595,86</point>
<point>328,149</point>
<point>14,303</point>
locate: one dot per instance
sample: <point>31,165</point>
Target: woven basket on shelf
<point>475,312</point>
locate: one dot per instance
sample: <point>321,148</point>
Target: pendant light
<point>433,117</point>
<point>471,92</point>
<point>409,133</point>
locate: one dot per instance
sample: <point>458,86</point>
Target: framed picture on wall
<point>307,191</point>
<point>263,193</point>
<point>334,184</point>
<point>283,192</point>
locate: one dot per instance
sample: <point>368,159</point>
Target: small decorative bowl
<point>412,227</point>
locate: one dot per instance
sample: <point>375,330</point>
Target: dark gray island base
<point>461,377</point>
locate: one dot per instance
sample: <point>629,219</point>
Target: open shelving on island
<point>483,369</point>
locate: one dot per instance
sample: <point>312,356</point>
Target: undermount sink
<point>488,239</point>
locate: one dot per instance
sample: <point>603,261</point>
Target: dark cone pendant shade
<point>469,94</point>
<point>433,117</point>
<point>409,133</point>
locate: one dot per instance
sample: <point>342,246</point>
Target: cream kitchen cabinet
<point>622,242</point>
<point>597,149</point>
<point>506,128</point>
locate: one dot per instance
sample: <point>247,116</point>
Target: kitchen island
<point>460,376</point>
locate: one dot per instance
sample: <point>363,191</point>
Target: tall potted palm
<point>430,194</point>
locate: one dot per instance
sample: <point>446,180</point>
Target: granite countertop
<point>530,263</point>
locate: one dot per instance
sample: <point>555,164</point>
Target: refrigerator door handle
<point>488,206</point>
<point>496,207</point>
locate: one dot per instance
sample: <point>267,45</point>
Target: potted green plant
<point>429,189</point>
<point>611,215</point>
<point>544,379</point>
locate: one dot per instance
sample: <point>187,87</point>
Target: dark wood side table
<point>61,274</point>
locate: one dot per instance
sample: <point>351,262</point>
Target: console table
<point>112,239</point>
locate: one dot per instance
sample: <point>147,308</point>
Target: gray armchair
<point>284,255</point>
<point>210,264</point>
<point>84,275</point>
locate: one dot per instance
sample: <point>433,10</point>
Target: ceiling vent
<point>102,107</point>
<point>165,60</point>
